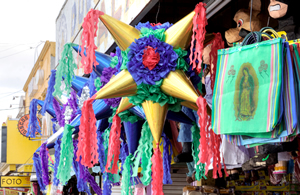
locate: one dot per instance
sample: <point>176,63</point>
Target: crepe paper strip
<point>126,176</point>
<point>73,104</point>
<point>97,83</point>
<point>144,152</point>
<point>114,146</point>
<point>38,168</point>
<point>199,23</point>
<point>101,151</point>
<point>107,184</point>
<point>153,26</point>
<point>157,170</point>
<point>200,169</point>
<point>87,145</point>
<point>123,155</point>
<point>91,82</point>
<point>49,97</point>
<point>167,158</point>
<point>57,157</point>
<point>217,44</point>
<point>66,155</point>
<point>201,103</point>
<point>89,32</point>
<point>44,161</point>
<point>33,124</point>
<point>58,113</point>
<point>92,182</point>
<point>107,74</point>
<point>65,70</point>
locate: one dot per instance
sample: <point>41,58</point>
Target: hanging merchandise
<point>250,105</point>
<point>243,23</point>
<point>286,13</point>
<point>49,97</point>
<point>44,163</point>
<point>34,124</point>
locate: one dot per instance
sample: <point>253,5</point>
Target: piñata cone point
<point>179,35</point>
<point>156,116</point>
<point>178,85</point>
<point>124,105</point>
<point>122,85</point>
<point>122,33</point>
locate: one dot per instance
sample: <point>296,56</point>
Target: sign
<point>15,181</point>
<point>23,124</point>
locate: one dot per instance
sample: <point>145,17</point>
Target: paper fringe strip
<point>157,170</point>
<point>57,157</point>
<point>209,141</point>
<point>44,161</point>
<point>58,113</point>
<point>87,145</point>
<point>33,125</point>
<point>49,97</point>
<point>66,155</point>
<point>81,183</point>
<point>217,44</point>
<point>200,169</point>
<point>114,146</point>
<point>144,152</point>
<point>89,32</point>
<point>65,69</point>
<point>123,154</point>
<point>101,151</point>
<point>38,168</point>
<point>167,158</point>
<point>126,178</point>
<point>199,23</point>
<point>107,184</point>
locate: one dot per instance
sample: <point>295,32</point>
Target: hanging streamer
<point>114,146</point>
<point>87,145</point>
<point>157,170</point>
<point>126,181</point>
<point>33,124</point>
<point>144,152</point>
<point>200,169</point>
<point>66,155</point>
<point>89,32</point>
<point>217,44</point>
<point>38,168</point>
<point>57,157</point>
<point>167,157</point>
<point>199,23</point>
<point>58,113</point>
<point>44,160</point>
<point>49,97</point>
<point>65,69</point>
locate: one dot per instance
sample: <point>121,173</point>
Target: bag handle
<point>270,30</point>
<point>249,39</point>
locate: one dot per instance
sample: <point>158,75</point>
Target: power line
<point>11,47</point>
<point>13,108</point>
<point>16,53</point>
<point>10,94</point>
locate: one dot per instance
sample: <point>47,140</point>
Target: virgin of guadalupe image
<point>246,103</point>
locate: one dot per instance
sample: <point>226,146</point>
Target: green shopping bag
<point>247,93</point>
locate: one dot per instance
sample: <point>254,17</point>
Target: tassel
<point>44,160</point>
<point>91,82</point>
<point>87,145</point>
<point>57,157</point>
<point>89,32</point>
<point>126,181</point>
<point>157,170</point>
<point>49,97</point>
<point>33,125</point>
<point>114,146</point>
<point>199,23</point>
<point>101,151</point>
<point>66,155</point>
<point>200,169</point>
<point>38,168</point>
<point>58,113</point>
<point>65,69</point>
<point>217,44</point>
<point>167,156</point>
<point>107,184</point>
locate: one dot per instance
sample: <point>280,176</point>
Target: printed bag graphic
<point>248,105</point>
